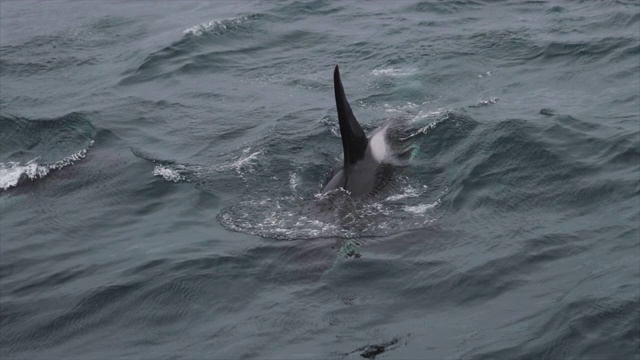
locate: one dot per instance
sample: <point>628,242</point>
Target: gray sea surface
<point>161,163</point>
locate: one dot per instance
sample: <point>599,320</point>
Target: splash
<point>12,172</point>
<point>331,215</point>
<point>408,192</point>
<point>421,208</point>
<point>215,26</point>
<point>281,205</point>
<point>170,174</point>
<point>245,163</point>
<point>433,118</point>
<point>482,103</point>
<point>393,72</point>
<point>242,165</point>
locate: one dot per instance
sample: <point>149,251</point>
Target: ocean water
<point>160,164</point>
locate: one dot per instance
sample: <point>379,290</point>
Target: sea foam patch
<point>12,172</point>
<point>393,72</point>
<point>243,164</point>
<point>168,173</point>
<point>332,214</point>
<point>215,26</point>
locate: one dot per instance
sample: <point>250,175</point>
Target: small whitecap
<point>294,181</point>
<point>408,192</point>
<point>11,171</point>
<point>71,159</point>
<point>168,174</point>
<point>421,208</point>
<point>481,103</point>
<point>393,72</point>
<point>244,163</point>
<point>437,113</point>
<point>424,129</point>
<point>214,26</point>
<point>407,107</point>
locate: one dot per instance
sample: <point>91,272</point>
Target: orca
<point>366,166</point>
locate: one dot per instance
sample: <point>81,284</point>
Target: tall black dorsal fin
<point>354,141</point>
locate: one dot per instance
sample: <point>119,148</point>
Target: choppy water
<point>158,162</point>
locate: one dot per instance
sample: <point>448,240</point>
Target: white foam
<point>438,116</point>
<point>288,218</point>
<point>330,193</point>
<point>491,101</point>
<point>168,174</point>
<point>421,208</point>
<point>11,171</point>
<point>393,72</point>
<point>245,163</point>
<point>294,181</point>
<point>71,159</point>
<point>214,25</point>
<point>278,224</point>
<point>437,113</point>
<point>407,107</point>
<point>409,192</point>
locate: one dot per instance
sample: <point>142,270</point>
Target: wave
<point>192,52</point>
<point>32,148</point>
<point>172,172</point>
<point>12,173</point>
<point>393,72</point>
<point>216,26</point>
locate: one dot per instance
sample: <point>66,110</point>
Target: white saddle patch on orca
<point>378,144</point>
